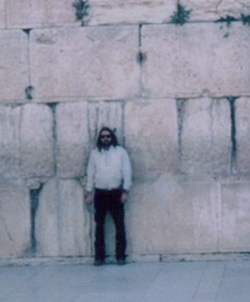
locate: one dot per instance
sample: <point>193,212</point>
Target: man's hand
<point>88,198</point>
<point>124,197</point>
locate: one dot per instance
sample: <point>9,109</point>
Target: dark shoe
<point>121,261</point>
<point>98,262</point>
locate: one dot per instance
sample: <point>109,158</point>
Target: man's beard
<point>106,145</point>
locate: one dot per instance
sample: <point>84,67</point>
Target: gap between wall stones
<point>180,103</point>
<point>140,57</point>
<point>231,101</point>
<point>29,90</point>
<point>54,134</point>
<point>34,205</point>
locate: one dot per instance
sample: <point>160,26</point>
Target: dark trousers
<point>109,201</point>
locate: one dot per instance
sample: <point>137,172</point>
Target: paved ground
<point>206,281</point>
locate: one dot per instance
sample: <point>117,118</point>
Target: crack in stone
<point>211,108</point>
<point>180,112</point>
<point>34,205</point>
<point>54,134</point>
<point>30,88</point>
<point>233,133</point>
<point>140,58</point>
<point>123,142</point>
<point>6,227</point>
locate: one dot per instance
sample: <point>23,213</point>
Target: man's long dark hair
<point>114,141</point>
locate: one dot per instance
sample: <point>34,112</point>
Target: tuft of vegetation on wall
<point>228,20</point>
<point>181,16</point>
<point>82,10</point>
<point>245,19</point>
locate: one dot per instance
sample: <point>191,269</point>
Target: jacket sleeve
<point>126,171</point>
<point>91,169</point>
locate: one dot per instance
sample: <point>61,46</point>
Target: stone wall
<point>178,96</point>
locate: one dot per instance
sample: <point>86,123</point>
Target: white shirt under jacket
<point>109,169</point>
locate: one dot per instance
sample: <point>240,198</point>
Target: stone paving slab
<point>216,281</point>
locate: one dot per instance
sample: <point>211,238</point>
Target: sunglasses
<point>106,136</point>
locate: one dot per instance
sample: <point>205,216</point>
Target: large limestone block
<point>13,65</point>
<point>62,223</point>
<point>97,63</point>
<point>26,13</point>
<point>38,13</point>
<point>9,142</point>
<point>151,133</point>
<point>60,12</point>
<point>235,223</point>
<point>2,14</point>
<point>167,215</point>
<point>14,220</point>
<point>196,59</point>
<point>36,135</point>
<point>242,111</point>
<point>109,114</point>
<point>72,139</point>
<point>131,11</point>
<point>206,136</point>
<point>205,10</point>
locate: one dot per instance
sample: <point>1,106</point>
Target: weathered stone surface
<point>206,136</point>
<point>9,142</point>
<point>72,139</point>
<point>26,13</point>
<point>108,114</point>
<point>172,215</point>
<point>131,11</point>
<point>2,14</point>
<point>235,223</point>
<point>195,59</point>
<point>14,220</point>
<point>62,223</point>
<point>13,65</point>
<point>98,63</point>
<point>29,13</point>
<point>36,135</point>
<point>151,133</point>
<point>78,125</point>
<point>242,134</point>
<point>215,9</point>
<point>60,12</point>
<point>38,13</point>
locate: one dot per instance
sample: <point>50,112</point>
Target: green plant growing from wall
<point>245,19</point>
<point>181,16</point>
<point>28,91</point>
<point>228,20</point>
<point>82,10</point>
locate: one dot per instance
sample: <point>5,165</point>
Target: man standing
<point>108,181</point>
